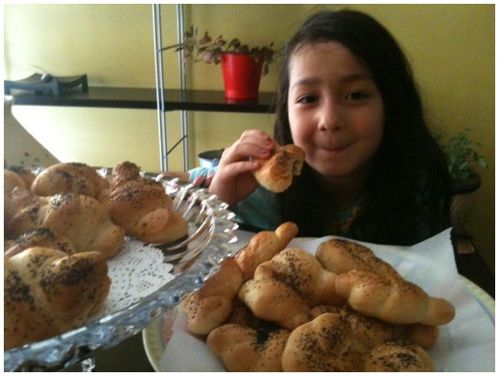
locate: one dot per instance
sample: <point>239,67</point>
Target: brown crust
<point>47,292</point>
<point>69,178</point>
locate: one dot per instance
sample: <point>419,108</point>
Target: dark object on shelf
<point>210,158</point>
<point>46,84</point>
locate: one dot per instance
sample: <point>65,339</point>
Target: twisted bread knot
<point>210,306</point>
<point>263,246</point>
<point>12,180</point>
<point>47,292</point>
<point>25,173</point>
<point>332,342</point>
<point>340,256</point>
<point>39,237</point>
<point>144,210</point>
<point>276,173</point>
<point>83,220</point>
<point>69,178</point>
<point>291,282</point>
<point>394,301</point>
<point>323,344</point>
<point>243,349</point>
<point>371,332</point>
<point>374,288</point>
<point>123,172</point>
<point>398,357</point>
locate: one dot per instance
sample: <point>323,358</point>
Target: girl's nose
<point>329,116</point>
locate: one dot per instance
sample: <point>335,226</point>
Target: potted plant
<point>242,66</point>
<point>463,161</point>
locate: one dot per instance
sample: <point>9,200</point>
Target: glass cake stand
<point>146,279</point>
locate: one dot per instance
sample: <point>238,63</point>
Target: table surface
<point>130,355</point>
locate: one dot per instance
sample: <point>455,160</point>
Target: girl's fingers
<point>245,150</point>
<point>234,169</point>
<point>202,181</point>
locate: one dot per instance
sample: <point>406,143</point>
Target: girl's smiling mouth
<point>336,148</point>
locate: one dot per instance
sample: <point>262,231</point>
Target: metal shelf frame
<point>160,88</point>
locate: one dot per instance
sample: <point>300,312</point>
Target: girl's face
<point>335,110</point>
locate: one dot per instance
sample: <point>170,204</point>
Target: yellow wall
<point>451,48</point>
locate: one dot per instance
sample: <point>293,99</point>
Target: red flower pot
<point>242,75</point>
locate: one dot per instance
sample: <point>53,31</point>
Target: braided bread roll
<point>120,174</point>
<point>123,172</point>
<point>276,173</point>
<point>69,178</point>
<point>304,274</point>
<point>291,282</point>
<point>210,306</point>
<point>145,211</point>
<point>393,300</point>
<point>12,180</point>
<point>47,292</point>
<point>273,300</point>
<point>83,220</point>
<point>371,332</point>
<point>39,237</point>
<point>340,256</point>
<point>263,246</point>
<point>373,287</point>
<point>25,173</point>
<point>398,357</point>
<point>243,349</point>
<point>326,344</point>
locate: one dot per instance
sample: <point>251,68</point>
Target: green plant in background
<point>463,157</point>
<point>210,50</point>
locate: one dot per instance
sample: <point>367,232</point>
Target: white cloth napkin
<point>465,344</point>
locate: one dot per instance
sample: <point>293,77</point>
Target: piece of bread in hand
<point>211,305</point>
<point>263,246</point>
<point>47,292</point>
<point>69,178</point>
<point>243,349</point>
<point>276,173</point>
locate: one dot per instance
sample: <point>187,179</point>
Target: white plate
<point>473,306</point>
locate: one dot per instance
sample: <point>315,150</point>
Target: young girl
<point>373,172</point>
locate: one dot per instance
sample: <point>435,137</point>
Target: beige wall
<point>451,48</point>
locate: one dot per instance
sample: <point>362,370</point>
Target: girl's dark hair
<point>408,189</point>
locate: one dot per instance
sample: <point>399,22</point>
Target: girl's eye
<point>355,96</point>
<point>307,99</point>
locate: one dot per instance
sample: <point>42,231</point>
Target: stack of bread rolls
<point>60,228</point>
<point>273,308</point>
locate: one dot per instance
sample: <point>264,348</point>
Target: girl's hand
<point>234,178</point>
